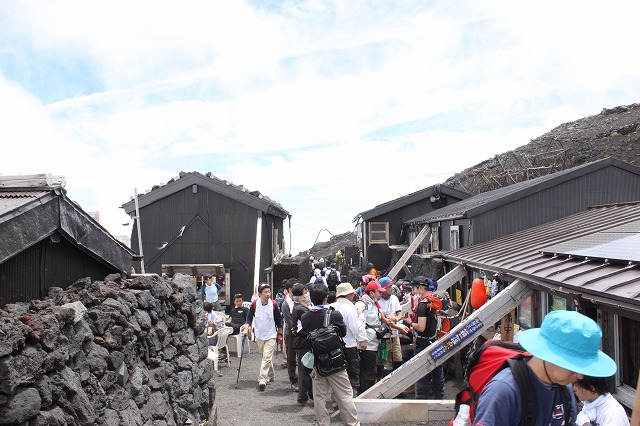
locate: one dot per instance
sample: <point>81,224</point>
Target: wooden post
<point>410,250</point>
<point>506,326</point>
<point>635,416</point>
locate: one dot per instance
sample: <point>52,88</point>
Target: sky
<point>327,107</point>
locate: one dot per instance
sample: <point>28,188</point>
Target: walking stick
<point>244,339</point>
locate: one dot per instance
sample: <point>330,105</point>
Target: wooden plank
<point>407,254</point>
<point>372,411</point>
<point>452,277</point>
<point>445,347</point>
<point>42,180</point>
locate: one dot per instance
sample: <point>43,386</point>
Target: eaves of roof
<point>408,199</point>
<point>489,200</point>
<point>226,188</point>
<point>520,255</point>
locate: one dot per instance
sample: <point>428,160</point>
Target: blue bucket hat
<point>569,340</point>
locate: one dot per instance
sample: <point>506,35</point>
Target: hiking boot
<point>302,402</point>
<point>294,387</point>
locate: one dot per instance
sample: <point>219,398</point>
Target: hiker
<point>290,328</point>
<point>268,329</point>
<point>600,407</point>
<point>332,277</point>
<point>356,337</point>
<point>372,270</point>
<point>564,349</point>
<point>424,323</point>
<point>368,356</point>
<point>317,277</point>
<point>338,382</point>
<point>301,304</point>
<point>210,291</point>
<point>390,306</point>
<point>238,314</point>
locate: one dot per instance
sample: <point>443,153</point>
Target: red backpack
<point>489,359</point>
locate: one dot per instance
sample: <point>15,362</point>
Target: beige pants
<point>266,348</point>
<point>342,393</point>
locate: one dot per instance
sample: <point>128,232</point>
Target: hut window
<point>454,237</point>
<point>379,232</point>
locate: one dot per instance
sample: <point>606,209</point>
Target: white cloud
<point>345,103</point>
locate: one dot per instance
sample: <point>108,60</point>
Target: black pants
<point>305,391</point>
<point>353,367</point>
<point>367,369</point>
<point>291,357</point>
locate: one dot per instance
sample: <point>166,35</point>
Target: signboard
<point>455,339</point>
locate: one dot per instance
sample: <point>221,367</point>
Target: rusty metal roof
<point>526,255</point>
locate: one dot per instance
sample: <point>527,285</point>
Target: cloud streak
<point>313,103</point>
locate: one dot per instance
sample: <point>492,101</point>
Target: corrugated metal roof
<point>412,198</point>
<point>522,255</point>
<point>11,200</point>
<point>498,197</point>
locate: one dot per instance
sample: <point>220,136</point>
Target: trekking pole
<point>244,339</point>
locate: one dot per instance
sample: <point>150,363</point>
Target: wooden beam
<point>445,347</point>
<point>452,277</point>
<point>407,254</point>
<point>372,411</point>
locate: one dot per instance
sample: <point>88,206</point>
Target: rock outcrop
<point>118,351</point>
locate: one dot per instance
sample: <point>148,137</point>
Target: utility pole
<point>135,193</point>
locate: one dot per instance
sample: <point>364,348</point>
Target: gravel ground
<point>245,405</point>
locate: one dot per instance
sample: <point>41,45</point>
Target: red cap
<point>373,286</point>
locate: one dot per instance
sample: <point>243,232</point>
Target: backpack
<point>327,347</point>
<point>333,280</point>
<point>441,302</point>
<point>489,359</point>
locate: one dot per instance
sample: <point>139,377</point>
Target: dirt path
<point>277,405</point>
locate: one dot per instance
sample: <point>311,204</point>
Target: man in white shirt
<point>356,334</point>
<point>390,306</point>
<point>267,329</point>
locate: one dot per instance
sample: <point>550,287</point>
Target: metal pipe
<point>135,193</point>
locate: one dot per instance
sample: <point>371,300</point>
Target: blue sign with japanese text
<point>455,339</point>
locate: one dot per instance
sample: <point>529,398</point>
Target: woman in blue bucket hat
<point>564,349</point>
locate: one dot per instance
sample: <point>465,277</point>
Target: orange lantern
<point>478,293</point>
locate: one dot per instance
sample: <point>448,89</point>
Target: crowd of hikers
<point>339,339</point>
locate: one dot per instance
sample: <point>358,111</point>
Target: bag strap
<point>567,405</point>
<point>327,317</point>
<point>520,372</point>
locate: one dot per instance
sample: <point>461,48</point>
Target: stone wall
<point>118,351</point>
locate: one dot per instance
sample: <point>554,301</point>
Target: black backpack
<point>327,347</point>
<point>333,280</point>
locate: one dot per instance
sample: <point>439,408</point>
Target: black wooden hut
<point>526,204</point>
<point>46,240</point>
<point>382,226</point>
<point>198,219</point>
